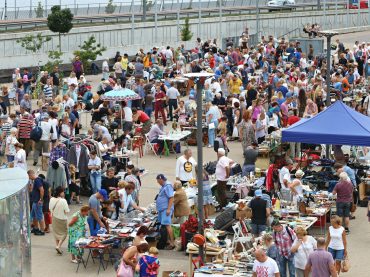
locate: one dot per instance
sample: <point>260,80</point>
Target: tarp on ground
<point>338,125</point>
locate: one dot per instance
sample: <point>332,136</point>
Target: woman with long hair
<point>302,102</point>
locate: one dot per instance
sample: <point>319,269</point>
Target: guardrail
<point>11,25</point>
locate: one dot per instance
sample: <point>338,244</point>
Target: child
<point>65,87</point>
<point>149,264</point>
<point>271,249</point>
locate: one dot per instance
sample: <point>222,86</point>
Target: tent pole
<point>328,63</point>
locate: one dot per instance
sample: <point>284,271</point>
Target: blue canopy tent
<point>338,125</point>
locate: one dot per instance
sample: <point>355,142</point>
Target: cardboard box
<point>243,213</point>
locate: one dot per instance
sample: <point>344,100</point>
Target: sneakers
<point>39,233</point>
<point>347,230</point>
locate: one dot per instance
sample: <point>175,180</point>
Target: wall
<point>128,39</point>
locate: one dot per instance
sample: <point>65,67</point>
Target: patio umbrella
<point>124,94</point>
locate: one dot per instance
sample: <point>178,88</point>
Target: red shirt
<point>158,104</point>
<point>293,119</point>
<point>344,191</point>
<point>143,117</point>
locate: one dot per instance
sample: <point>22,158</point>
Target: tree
<point>186,34</point>
<point>89,51</point>
<point>33,43</point>
<point>110,7</point>
<point>60,21</point>
<point>54,60</point>
<point>39,10</point>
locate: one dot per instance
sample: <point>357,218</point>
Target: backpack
<point>163,237</point>
<point>289,233</point>
<point>36,133</point>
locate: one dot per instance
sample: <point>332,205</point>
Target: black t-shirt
<point>97,116</point>
<point>109,182</point>
<point>55,76</point>
<point>35,194</point>
<point>258,207</point>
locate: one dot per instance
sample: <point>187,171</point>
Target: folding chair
<point>149,145</point>
<point>240,235</point>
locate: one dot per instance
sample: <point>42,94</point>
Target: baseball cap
<point>289,95</point>
<point>258,193</point>
<point>161,177</point>
<point>104,193</point>
<point>275,222</point>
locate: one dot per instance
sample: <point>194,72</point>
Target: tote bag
<point>125,270</point>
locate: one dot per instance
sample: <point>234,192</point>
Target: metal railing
<point>129,6</point>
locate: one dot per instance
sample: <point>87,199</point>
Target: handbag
<point>235,132</point>
<point>345,265</point>
<point>124,270</point>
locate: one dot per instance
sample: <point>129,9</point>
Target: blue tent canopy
<point>338,124</point>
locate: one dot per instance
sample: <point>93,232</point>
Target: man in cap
<point>223,167</point>
<point>42,146</point>
<point>260,213</point>
<point>284,238</point>
<point>165,207</point>
<point>95,218</point>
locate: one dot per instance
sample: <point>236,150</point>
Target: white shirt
<point>216,87</point>
<point>20,159</point>
<point>172,93</point>
<point>265,269</point>
<point>72,81</point>
<point>168,54</point>
<point>128,114</point>
<point>125,199</point>
<point>54,123</point>
<point>305,249</point>
<point>59,208</point>
<point>94,162</point>
<point>46,128</point>
<point>185,168</point>
<point>69,103</point>
<point>336,239</point>
<point>284,174</point>
<point>222,163</point>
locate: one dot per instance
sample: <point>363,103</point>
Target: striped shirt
<point>6,128</point>
<point>48,91</point>
<point>24,127</point>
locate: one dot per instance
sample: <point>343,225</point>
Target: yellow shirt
<point>146,61</point>
<point>235,86</point>
<point>124,63</point>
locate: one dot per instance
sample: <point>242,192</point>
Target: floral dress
<point>75,232</point>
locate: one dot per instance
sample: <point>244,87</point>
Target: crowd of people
<point>256,90</point>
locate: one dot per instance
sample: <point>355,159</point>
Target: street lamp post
<point>199,78</point>
<point>328,34</point>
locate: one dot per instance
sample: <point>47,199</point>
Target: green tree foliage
<point>186,34</point>
<point>89,51</point>
<point>39,10</point>
<point>110,7</point>
<point>54,60</point>
<point>60,21</point>
<point>33,43</point>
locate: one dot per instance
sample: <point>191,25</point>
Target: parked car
<point>364,4</point>
<point>280,3</point>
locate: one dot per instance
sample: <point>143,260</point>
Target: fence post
<point>178,21</point>
<point>156,22</point>
<point>46,8</point>
<point>30,9</point>
<point>347,13</point>
<point>358,13</point>
<point>220,22</point>
<point>199,16</point>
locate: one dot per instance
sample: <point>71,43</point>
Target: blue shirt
<point>165,193</point>
<point>351,174</point>
<point>283,90</point>
<point>35,194</point>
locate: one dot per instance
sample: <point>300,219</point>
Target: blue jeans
<point>247,168</point>
<point>95,180</point>
<point>148,111</point>
<point>212,134</point>
<point>93,226</point>
<point>10,158</point>
<point>283,263</point>
<point>338,255</point>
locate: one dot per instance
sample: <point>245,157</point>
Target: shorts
<point>165,219</point>
<point>257,229</point>
<point>338,255</point>
<point>343,209</point>
<point>36,212</point>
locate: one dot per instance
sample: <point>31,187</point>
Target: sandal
<point>74,261</point>
<point>170,247</point>
<point>60,252</point>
